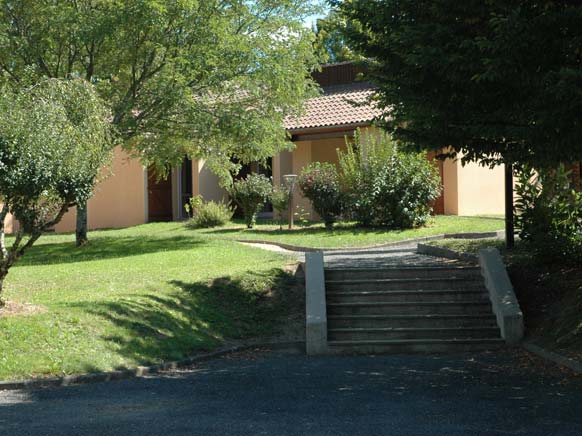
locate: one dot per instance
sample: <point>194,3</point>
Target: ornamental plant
<point>251,194</point>
<point>549,214</point>
<point>320,183</point>
<point>55,139</point>
<point>385,186</point>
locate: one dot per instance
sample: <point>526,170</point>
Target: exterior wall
<point>206,183</point>
<point>302,156</point>
<point>473,189</point>
<point>10,224</point>
<point>119,200</point>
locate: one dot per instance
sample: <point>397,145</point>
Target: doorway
<point>159,198</point>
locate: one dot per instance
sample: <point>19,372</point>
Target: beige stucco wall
<point>119,200</point>
<point>206,183</point>
<point>10,224</point>
<point>473,189</point>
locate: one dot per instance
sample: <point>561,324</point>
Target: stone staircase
<point>396,308</point>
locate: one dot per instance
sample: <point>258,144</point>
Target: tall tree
<point>55,139</point>
<point>497,81</point>
<point>330,39</point>
<point>211,79</point>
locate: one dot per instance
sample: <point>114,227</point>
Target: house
<point>132,195</point>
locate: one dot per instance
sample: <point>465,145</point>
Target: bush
<point>319,182</point>
<point>387,187</point>
<point>251,194</point>
<point>549,214</point>
<point>210,214</point>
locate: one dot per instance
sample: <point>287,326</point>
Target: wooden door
<point>159,198</point>
<point>439,204</point>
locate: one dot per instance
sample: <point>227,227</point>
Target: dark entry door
<point>159,198</point>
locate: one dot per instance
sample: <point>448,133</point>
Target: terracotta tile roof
<point>335,108</point>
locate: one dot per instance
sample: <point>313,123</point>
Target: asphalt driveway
<point>279,394</point>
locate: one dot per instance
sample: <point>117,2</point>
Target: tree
<point>497,81</point>
<point>330,40</point>
<point>210,79</point>
<point>54,140</point>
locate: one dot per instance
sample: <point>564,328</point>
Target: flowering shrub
<point>251,194</point>
<point>387,187</point>
<point>319,182</point>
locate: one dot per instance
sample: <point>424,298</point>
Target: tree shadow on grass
<point>106,247</point>
<point>198,316</point>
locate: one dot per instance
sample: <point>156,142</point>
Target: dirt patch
<point>13,308</point>
<point>551,298</point>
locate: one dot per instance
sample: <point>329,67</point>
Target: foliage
<point>251,194</point>
<point>301,215</point>
<point>330,40</point>
<point>194,203</point>
<point>385,186</point>
<point>211,79</point>
<point>280,198</point>
<point>495,80</point>
<point>549,214</point>
<point>319,182</point>
<point>54,140</point>
<point>210,214</point>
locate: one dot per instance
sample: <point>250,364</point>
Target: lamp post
<point>290,180</point>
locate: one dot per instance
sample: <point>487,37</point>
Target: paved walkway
<point>368,258</point>
<point>292,395</point>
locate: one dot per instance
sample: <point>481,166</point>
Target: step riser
<point>411,323</point>
<point>433,285</point>
<point>413,348</point>
<point>463,297</point>
<point>433,334</point>
<point>449,309</point>
<point>376,274</point>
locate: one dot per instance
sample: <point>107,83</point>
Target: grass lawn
<point>345,235</point>
<point>147,294</point>
<point>161,292</point>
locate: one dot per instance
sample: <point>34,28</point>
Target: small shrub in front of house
<point>319,182</point>
<point>385,186</point>
<point>210,214</point>
<point>251,194</point>
<point>549,214</point>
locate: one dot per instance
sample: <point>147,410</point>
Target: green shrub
<point>387,187</point>
<point>211,214</point>
<point>319,182</point>
<point>251,194</point>
<point>549,214</point>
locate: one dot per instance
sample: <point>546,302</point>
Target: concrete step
<point>445,272</point>
<point>469,284</point>
<point>413,308</point>
<point>412,321</point>
<point>415,346</point>
<point>378,334</point>
<point>420,295</point>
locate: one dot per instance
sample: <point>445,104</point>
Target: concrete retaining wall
<point>316,309</point>
<point>505,304</point>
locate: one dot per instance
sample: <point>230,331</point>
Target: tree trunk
<point>509,222</point>
<point>81,232</point>
<point>2,277</point>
